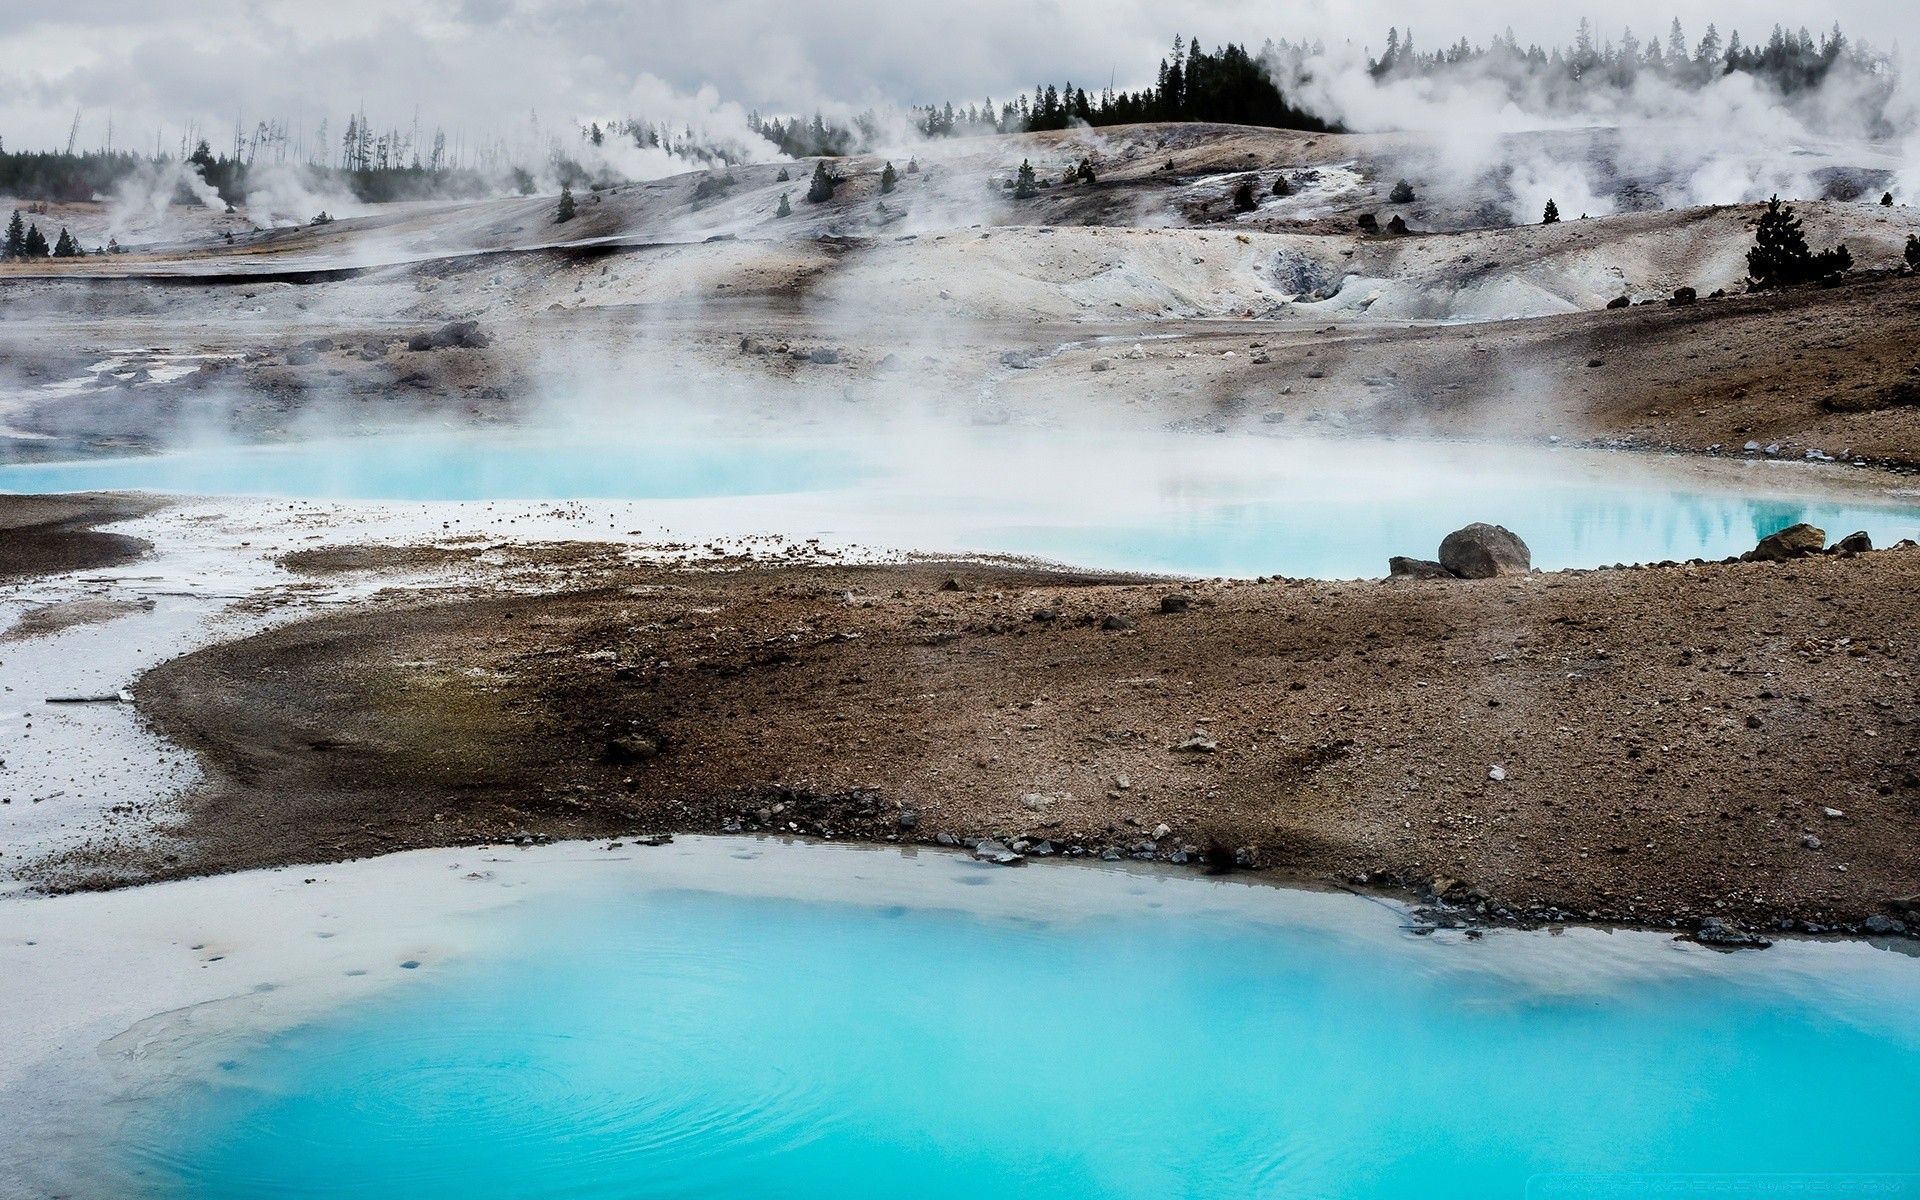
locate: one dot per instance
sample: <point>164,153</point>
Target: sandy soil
<point>42,535</point>
<point>1667,740</point>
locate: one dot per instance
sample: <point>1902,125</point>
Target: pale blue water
<point>1178,504</point>
<point>688,1044</point>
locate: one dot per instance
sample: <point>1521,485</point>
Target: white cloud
<point>478,66</point>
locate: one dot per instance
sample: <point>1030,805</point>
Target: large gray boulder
<point>1484,551</point>
<point>1795,541</point>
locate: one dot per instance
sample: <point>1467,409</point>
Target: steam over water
<point>1159,1037</point>
<point>1180,504</point>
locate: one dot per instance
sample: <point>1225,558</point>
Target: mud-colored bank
<point>44,535</point>
<point>1655,745</point>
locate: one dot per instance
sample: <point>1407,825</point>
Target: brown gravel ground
<point>41,535</point>
<point>1669,737</point>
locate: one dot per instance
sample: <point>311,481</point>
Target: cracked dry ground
<point>1669,737</point>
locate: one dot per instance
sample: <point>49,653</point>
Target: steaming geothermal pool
<point>732,1017</point>
<point>1175,503</point>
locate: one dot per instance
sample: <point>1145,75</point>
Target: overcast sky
<point>476,65</point>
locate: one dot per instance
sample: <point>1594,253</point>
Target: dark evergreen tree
<point>913,164</point>
<point>563,212</point>
<point>1913,251</point>
<point>785,209</point>
<point>1281,187</point>
<point>782,177</point>
<point>16,236</point>
<point>36,243</point>
<point>820,187</point>
<point>1025,187</point>
<point>64,246</point>
<point>889,179</point>
<point>1780,255</point>
<point>1243,200</point>
<point>1886,199</point>
<point>1085,172</point>
<point>1402,193</point>
<point>1552,215</point>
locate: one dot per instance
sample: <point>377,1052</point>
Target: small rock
<point>1401,567</point>
<point>823,357</point>
<point>1036,801</point>
<point>1099,364</point>
<point>1122,782</point>
<point>908,819</point>
<point>1853,543</point>
<point>1046,615</point>
<point>632,748</point>
<point>995,852</point>
<point>1715,932</point>
<point>1810,842</point>
<point>1160,831</point>
<point>1482,551</point>
<point>1795,541</point>
<point>1832,814</point>
<point>1175,604</point>
<point>1880,924</point>
<point>1117,621</point>
<point>1497,773</point>
<point>1198,743</point>
<point>1017,360</point>
<point>945,839</point>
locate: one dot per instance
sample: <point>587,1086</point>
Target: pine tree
<point>1085,172</point>
<point>820,187</point>
<point>1913,251</point>
<point>16,236</point>
<point>563,212</point>
<point>1024,186</point>
<point>782,177</point>
<point>1780,255</point>
<point>1886,199</point>
<point>64,246</point>
<point>1402,193</point>
<point>889,179</point>
<point>785,209</point>
<point>36,243</point>
<point>1552,215</point>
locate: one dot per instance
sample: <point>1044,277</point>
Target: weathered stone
<point>1715,932</point>
<point>1117,621</point>
<point>1175,604</point>
<point>1795,541</point>
<point>632,748</point>
<point>1482,551</point>
<point>1853,543</point>
<point>996,853</point>
<point>1401,567</point>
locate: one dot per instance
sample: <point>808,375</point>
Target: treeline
<point>232,179</point>
<point>1789,63</point>
<point>1228,85</point>
<point>42,175</point>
